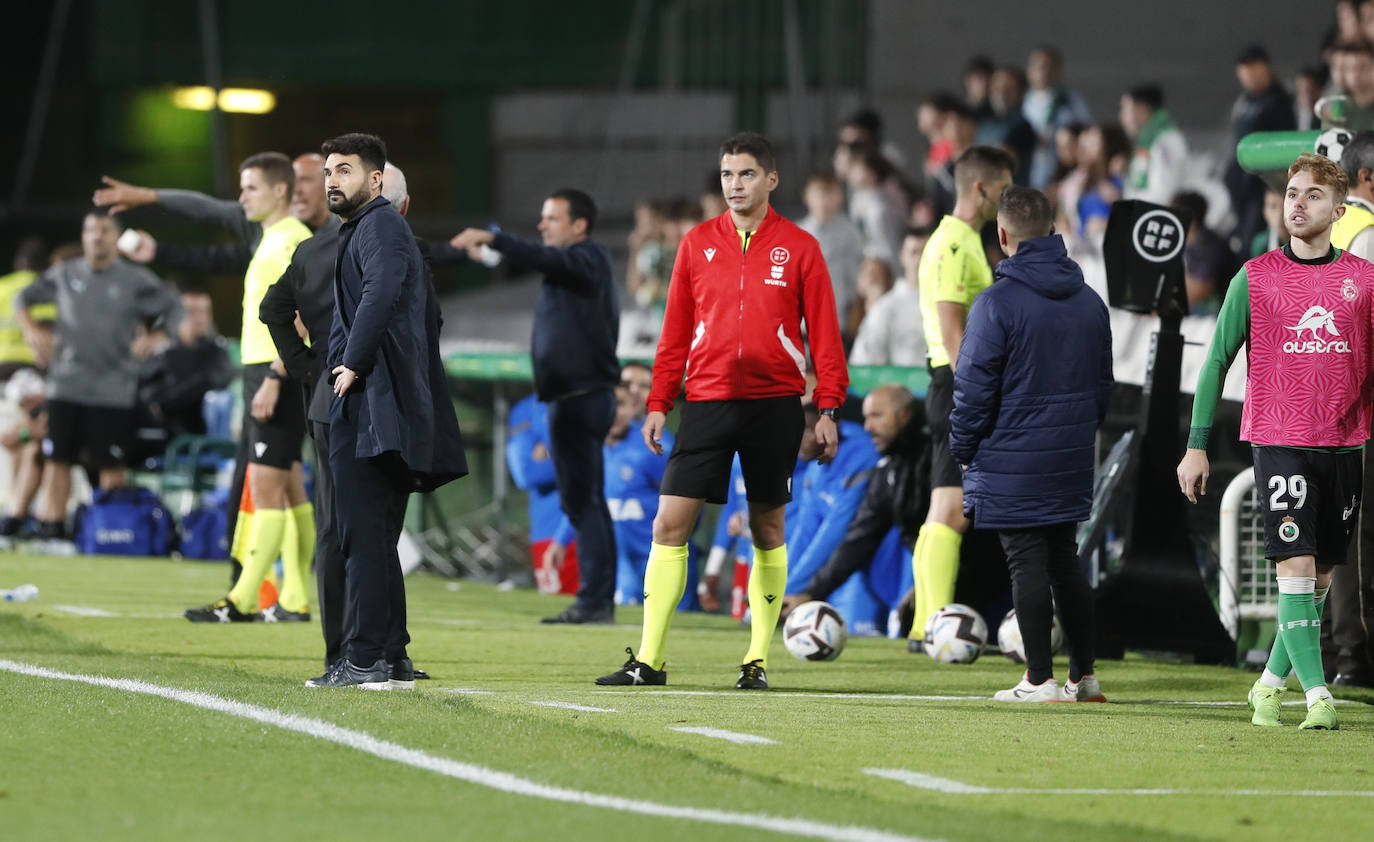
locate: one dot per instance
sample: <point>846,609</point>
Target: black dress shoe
<point>1352,679</point>
<point>576,616</point>
<point>345,673</point>
<point>402,674</point>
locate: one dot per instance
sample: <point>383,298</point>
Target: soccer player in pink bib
<point>1305,313</point>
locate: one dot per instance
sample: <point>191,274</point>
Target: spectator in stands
<point>865,126</point>
<point>891,332</point>
<point>22,441</point>
<point>646,277</point>
<point>1086,195</point>
<point>875,280</point>
<point>1003,123</point>
<point>529,459</point>
<point>172,383</point>
<point>1274,233</point>
<point>1031,388</point>
<point>1208,262</point>
<point>960,128</point>
<point>1161,154</point>
<point>711,202</point>
<point>15,353</point>
<point>1307,89</point>
<point>841,243</point>
<point>896,496</point>
<point>575,371</point>
<point>1352,73</point>
<point>978,86</point>
<point>1263,106</point>
<point>1066,152</point>
<point>1049,105</point>
<point>931,116</point>
<point>101,303</point>
<point>875,211</point>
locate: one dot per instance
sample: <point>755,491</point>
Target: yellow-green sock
<point>767,581</point>
<point>264,545</point>
<point>665,578</point>
<point>918,630</point>
<point>297,553</point>
<point>937,568</point>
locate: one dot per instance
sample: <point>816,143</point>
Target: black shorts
<point>1310,500</point>
<point>766,433</point>
<point>277,441</point>
<point>944,471</point>
<point>98,437</point>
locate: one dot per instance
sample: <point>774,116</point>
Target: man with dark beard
<point>392,427</point>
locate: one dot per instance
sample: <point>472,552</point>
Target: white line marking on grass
<point>468,772</point>
<point>467,691</point>
<point>946,785</point>
<point>732,736</point>
<point>897,697</point>
<point>571,706</point>
<point>85,611</point>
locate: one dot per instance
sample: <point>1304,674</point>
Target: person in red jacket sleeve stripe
<point>743,286</point>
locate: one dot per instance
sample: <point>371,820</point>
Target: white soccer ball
<point>1332,142</point>
<point>815,631</point>
<point>1010,641</point>
<point>956,634</point>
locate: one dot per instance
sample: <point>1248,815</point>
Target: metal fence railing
<point>1248,589</point>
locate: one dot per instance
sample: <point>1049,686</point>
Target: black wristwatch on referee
<point>833,413</point>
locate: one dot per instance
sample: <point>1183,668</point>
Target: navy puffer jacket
<point>1030,388</point>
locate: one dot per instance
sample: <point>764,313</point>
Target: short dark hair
<point>103,213</point>
<point>275,167</point>
<point>1194,204</point>
<point>367,147</point>
<point>31,254</point>
<point>580,205</point>
<point>870,121</point>
<point>751,143</point>
<point>1356,46</point>
<point>978,64</point>
<point>636,364</point>
<point>919,231</point>
<point>981,162</point>
<point>1151,96</point>
<point>1252,53</point>
<point>1025,212</point>
<point>824,178</point>
<point>1358,155</point>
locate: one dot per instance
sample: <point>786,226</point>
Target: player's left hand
<point>344,378</point>
<point>828,436</point>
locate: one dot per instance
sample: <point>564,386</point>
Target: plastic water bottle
<point>23,593</point>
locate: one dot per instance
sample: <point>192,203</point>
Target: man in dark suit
<point>392,427</point>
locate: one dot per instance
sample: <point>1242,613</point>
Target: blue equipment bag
<point>125,521</point>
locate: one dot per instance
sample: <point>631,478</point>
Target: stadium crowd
<point>105,382</point>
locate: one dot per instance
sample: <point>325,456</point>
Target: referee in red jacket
<point>742,285</point>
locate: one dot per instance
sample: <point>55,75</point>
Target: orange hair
<point>1324,171</point>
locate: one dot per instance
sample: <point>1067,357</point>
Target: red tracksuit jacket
<point>733,324</point>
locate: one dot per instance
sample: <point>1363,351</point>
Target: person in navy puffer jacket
<point>1034,376</point>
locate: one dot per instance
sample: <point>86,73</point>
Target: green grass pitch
<point>511,741</point>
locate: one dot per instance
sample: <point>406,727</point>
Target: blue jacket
<point>1030,389</point>
<point>529,427</point>
<point>386,328</point>
<point>830,494</point>
<point>576,319</point>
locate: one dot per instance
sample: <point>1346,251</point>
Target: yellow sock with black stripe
<point>665,578</point>
<point>264,545</point>
<point>297,553</point>
<point>936,568</point>
<point>767,583</point>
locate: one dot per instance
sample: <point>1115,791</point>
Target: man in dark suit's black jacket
<point>392,425</point>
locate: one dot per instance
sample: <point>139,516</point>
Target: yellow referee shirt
<point>269,262</point>
<point>953,268</point>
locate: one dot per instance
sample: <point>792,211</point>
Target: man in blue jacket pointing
<point>1034,376</point>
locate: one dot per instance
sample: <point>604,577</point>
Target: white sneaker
<point>1027,692</point>
<point>1085,690</point>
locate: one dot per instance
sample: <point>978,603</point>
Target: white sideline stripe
<point>732,736</point>
<point>85,611</point>
<point>897,697</point>
<point>467,691</point>
<point>571,706</point>
<point>946,785</point>
<point>480,775</point>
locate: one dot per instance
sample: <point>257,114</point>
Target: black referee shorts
<point>944,471</point>
<point>277,441</point>
<point>766,433</point>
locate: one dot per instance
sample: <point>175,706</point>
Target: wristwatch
<point>831,412</point>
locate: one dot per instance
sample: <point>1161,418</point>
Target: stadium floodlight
<point>236,100</point>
